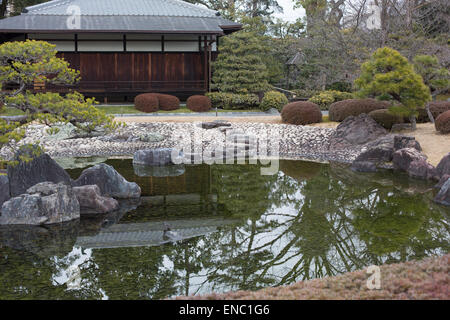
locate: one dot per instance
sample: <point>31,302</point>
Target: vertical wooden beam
<point>124,43</point>
<point>205,61</point>
<point>76,42</point>
<point>162,43</point>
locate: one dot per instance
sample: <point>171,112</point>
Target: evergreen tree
<point>389,76</point>
<point>239,67</point>
<point>23,63</point>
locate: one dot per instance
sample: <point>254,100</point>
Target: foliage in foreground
<point>24,63</point>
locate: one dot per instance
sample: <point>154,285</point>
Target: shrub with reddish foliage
<point>198,103</point>
<point>146,102</point>
<point>439,107</point>
<point>442,123</point>
<point>384,118</point>
<point>168,102</point>
<point>354,107</point>
<point>301,113</point>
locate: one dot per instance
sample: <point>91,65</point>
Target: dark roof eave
<point>112,31</point>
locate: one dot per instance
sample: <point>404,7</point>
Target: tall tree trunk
<point>412,119</point>
<point>3,7</point>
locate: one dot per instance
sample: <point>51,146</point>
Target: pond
<point>231,229</point>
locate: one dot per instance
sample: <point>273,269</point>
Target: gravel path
<point>295,142</point>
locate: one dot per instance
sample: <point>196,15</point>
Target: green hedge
<point>325,98</point>
<point>233,101</point>
<point>273,99</point>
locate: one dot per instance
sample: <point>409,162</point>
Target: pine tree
<point>21,64</point>
<point>389,76</point>
<point>239,68</point>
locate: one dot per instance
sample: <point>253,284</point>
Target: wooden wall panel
<point>141,71</point>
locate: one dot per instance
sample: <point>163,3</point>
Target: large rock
<point>64,131</point>
<point>414,163</point>
<point>402,158</point>
<point>423,170</point>
<point>26,174</point>
<point>443,197</point>
<point>443,167</point>
<point>91,200</point>
<point>110,182</point>
<point>4,189</point>
<point>359,130</point>
<point>44,203</point>
<point>375,155</point>
<point>401,142</point>
<point>156,157</point>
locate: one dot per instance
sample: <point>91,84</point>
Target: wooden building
<point>126,47</point>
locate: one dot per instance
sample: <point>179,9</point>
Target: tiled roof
<point>147,16</point>
<point>171,8</point>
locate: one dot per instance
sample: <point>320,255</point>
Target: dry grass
<point>426,279</point>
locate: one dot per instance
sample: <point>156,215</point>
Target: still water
<point>231,229</point>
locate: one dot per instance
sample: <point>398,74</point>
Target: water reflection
<point>238,230</point>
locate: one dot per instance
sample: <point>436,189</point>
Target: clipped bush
<point>273,99</point>
<point>354,107</point>
<point>439,107</point>
<point>305,93</point>
<point>232,101</point>
<point>198,103</point>
<point>384,118</point>
<point>325,98</point>
<point>146,102</point>
<point>168,102</point>
<point>442,123</point>
<point>301,113</point>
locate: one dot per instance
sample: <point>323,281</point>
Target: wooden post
<point>205,51</point>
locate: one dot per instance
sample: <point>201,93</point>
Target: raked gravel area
<point>295,142</point>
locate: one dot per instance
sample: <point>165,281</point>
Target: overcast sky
<point>289,13</point>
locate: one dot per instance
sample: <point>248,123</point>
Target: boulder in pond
<point>44,203</point>
<point>110,182</point>
<point>401,142</point>
<point>423,170</point>
<point>443,196</point>
<point>443,166</point>
<point>441,182</point>
<point>402,158</point>
<point>91,200</point>
<point>358,130</point>
<point>157,157</point>
<point>26,174</point>
<point>4,189</point>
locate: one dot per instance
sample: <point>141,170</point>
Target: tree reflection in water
<point>308,221</point>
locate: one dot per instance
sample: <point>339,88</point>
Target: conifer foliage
<point>387,75</point>
<point>239,67</point>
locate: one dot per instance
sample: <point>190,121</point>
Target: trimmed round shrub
<point>301,113</point>
<point>384,118</point>
<point>233,101</point>
<point>168,102</point>
<point>325,98</point>
<point>354,107</point>
<point>439,107</point>
<point>146,102</point>
<point>442,123</point>
<point>273,99</point>
<point>198,103</point>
